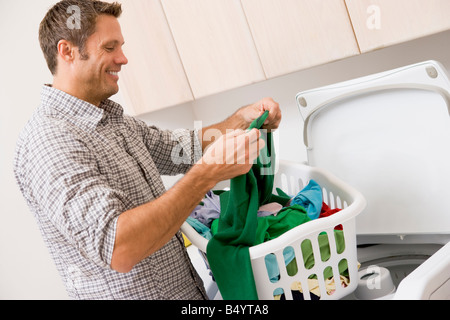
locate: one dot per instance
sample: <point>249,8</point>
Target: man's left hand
<point>253,111</point>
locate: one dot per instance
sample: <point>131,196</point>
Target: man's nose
<point>121,59</point>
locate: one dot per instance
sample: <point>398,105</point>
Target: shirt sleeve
<point>64,179</point>
<point>173,151</point>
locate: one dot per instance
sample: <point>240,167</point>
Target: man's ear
<point>66,50</point>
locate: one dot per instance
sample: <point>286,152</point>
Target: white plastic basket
<point>291,177</point>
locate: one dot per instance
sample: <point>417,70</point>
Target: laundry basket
<point>291,177</point>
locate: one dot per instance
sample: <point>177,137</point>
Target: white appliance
<point>388,136</point>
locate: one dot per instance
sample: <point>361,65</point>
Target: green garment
<point>228,250</point>
<point>271,227</point>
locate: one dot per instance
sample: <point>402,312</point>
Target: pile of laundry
<point>274,219</point>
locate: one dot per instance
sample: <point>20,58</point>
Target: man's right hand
<point>232,154</point>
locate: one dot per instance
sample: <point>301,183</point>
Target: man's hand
<point>232,154</point>
<point>253,111</point>
<point>242,119</point>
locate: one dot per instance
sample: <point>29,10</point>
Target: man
<point>91,175</point>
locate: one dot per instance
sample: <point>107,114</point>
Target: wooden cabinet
<point>214,43</point>
<point>291,35</point>
<point>381,23</point>
<point>154,77</point>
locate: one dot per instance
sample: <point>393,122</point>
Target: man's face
<point>97,76</point>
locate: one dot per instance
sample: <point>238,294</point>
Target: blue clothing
<point>203,230</point>
<point>310,198</point>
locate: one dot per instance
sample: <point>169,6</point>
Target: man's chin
<point>111,91</point>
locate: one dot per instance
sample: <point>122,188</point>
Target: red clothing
<point>326,212</point>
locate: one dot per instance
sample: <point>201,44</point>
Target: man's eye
<point>109,49</point>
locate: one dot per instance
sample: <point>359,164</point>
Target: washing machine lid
<point>387,135</point>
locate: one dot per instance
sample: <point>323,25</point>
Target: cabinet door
<point>295,34</point>
<point>215,44</point>
<point>381,23</point>
<point>154,77</point>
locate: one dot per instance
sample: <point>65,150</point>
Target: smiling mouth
<point>114,73</point>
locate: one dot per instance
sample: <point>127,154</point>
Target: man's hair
<point>74,21</point>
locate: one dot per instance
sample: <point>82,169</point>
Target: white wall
<point>26,271</point>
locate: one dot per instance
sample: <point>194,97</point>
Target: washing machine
<point>388,136</point>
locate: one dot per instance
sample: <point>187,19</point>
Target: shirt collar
<point>80,112</point>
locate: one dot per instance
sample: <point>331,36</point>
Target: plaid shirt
<point>79,167</point>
